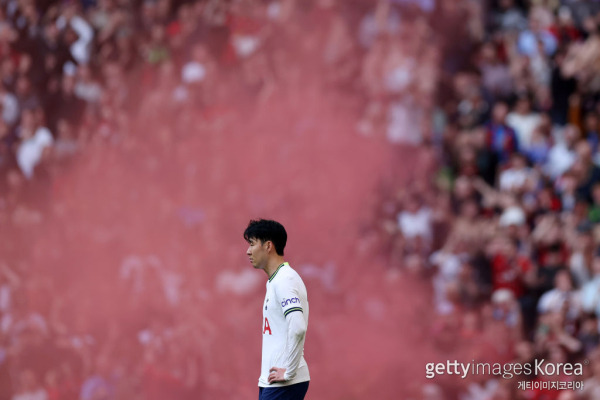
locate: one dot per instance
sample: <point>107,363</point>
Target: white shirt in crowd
<point>29,153</point>
<point>560,159</point>
<point>579,269</point>
<point>555,299</point>
<point>81,48</point>
<point>415,224</point>
<point>448,266</point>
<point>404,120</point>
<point>10,108</point>
<point>523,126</point>
<point>88,91</point>
<point>515,178</point>
<point>590,296</point>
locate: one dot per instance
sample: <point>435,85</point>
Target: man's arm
<point>296,329</point>
<point>287,292</point>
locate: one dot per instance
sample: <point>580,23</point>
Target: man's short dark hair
<point>267,230</point>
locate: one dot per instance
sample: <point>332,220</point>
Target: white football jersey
<point>286,294</point>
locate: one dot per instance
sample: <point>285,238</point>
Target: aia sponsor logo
<point>267,327</point>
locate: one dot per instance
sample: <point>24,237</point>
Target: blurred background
<point>435,163</point>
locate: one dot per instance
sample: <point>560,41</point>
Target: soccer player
<point>284,372</point>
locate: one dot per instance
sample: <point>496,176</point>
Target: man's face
<point>518,162</point>
<point>257,252</point>
<point>499,112</point>
<point>563,282</point>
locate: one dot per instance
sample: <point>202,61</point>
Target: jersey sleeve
<point>294,347</point>
<point>287,292</point>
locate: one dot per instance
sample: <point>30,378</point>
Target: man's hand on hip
<point>276,375</point>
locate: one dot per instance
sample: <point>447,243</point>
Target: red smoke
<point>186,201</point>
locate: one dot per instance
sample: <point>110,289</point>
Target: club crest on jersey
<point>294,300</point>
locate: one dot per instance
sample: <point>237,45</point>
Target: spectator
<point>496,77</point>
<point>77,31</point>
<point>502,139</point>
<point>523,120</point>
<point>540,20</point>
<point>99,385</point>
<point>509,17</point>
<point>561,298</point>
<point>594,214</point>
<point>30,389</point>
<point>510,270</point>
<point>588,334</point>
<point>518,178</point>
<point>384,19</point>
<point>562,88</point>
<point>6,143</point>
<point>589,292</point>
<point>562,153</point>
<point>580,261</point>
<point>449,263</point>
<point>65,104</point>
<point>51,54</point>
<point>9,106</point>
<point>539,148</point>
<point>589,172</point>
<point>34,140</point>
<point>506,310</point>
<point>414,221</point>
<point>591,134</point>
<point>86,87</point>
<point>26,94</point>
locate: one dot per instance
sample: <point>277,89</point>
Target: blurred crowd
<point>505,225</point>
<point>497,100</point>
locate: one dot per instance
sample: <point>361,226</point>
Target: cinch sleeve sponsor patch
<point>288,298</point>
<point>290,304</point>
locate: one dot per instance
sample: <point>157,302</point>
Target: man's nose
<point>248,251</point>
